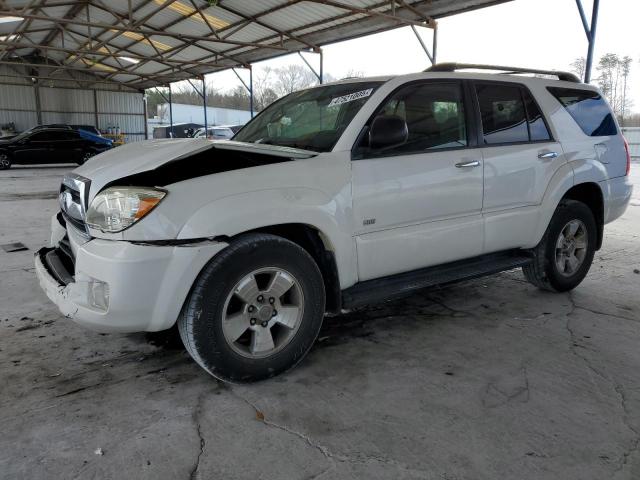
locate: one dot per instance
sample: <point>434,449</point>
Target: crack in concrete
<point>260,416</point>
<point>598,312</point>
<point>196,420</point>
<point>523,390</point>
<point>454,313</point>
<point>332,457</point>
<point>635,443</point>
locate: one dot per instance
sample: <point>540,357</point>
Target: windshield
<point>311,119</point>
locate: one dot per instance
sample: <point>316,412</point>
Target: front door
<point>33,149</point>
<point>419,203</point>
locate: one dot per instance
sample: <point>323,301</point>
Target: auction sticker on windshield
<point>351,97</point>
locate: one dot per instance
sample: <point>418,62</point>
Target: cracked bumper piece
<point>118,286</point>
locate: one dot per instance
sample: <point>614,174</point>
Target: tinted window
<point>434,114</point>
<point>503,114</point>
<point>66,135</point>
<point>537,127</point>
<point>43,137</point>
<point>588,109</point>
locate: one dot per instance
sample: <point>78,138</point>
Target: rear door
<point>520,158</point>
<point>419,203</point>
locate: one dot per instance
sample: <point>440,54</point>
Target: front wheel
<point>563,257</point>
<point>255,309</point>
<point>5,161</point>
<point>86,156</point>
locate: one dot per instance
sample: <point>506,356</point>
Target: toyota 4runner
<point>334,197</point>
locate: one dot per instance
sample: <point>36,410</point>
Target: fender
<point>235,214</point>
<point>560,183</point>
<point>314,191</point>
<point>571,174</point>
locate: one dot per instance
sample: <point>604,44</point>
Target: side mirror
<point>387,131</point>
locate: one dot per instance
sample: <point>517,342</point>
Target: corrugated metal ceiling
<point>144,43</point>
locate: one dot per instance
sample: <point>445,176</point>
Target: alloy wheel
<point>571,247</point>
<point>263,312</point>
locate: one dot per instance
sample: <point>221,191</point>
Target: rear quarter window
<point>588,109</point>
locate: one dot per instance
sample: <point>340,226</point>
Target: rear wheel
<point>255,310</point>
<point>5,161</point>
<point>564,255</point>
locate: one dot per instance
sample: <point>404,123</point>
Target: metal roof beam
<point>147,31</point>
<point>86,70</point>
<point>21,27</point>
<point>71,13</point>
<point>21,45</point>
<point>373,13</point>
<point>255,20</point>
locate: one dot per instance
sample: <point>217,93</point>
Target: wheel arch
<point>319,246</point>
<point>591,195</point>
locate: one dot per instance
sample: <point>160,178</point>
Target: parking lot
<point>483,380</point>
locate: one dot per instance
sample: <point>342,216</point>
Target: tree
<point>292,78</point>
<point>263,92</point>
<point>614,72</point>
<point>626,70</point>
<point>578,66</point>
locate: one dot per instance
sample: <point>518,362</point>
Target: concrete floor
<point>490,379</point>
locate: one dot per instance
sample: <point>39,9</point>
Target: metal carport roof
<point>146,43</point>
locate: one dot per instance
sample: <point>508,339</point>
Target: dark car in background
<point>86,128</point>
<point>46,144</point>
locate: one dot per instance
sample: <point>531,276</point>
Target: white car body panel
<point>417,201</point>
<point>378,217</point>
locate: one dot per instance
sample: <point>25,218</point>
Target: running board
<point>380,289</point>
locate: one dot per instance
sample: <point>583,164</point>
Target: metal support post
<point>434,47</point>
<point>203,95</point>
<point>170,114</point>
<point>95,108</point>
<point>146,115</point>
<point>590,31</point>
<point>204,102</point>
<point>251,90</point>
<point>422,44</point>
<point>313,70</point>
<point>249,86</point>
<point>36,91</point>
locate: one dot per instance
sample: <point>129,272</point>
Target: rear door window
<point>504,118</point>
<point>588,109</point>
<point>538,131</point>
<point>510,114</point>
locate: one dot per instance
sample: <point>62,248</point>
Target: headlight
<point>117,208</point>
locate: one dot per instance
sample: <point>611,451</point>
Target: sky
<point>546,34</point>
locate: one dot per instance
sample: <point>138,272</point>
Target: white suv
<point>334,197</point>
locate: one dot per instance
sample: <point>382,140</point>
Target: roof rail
<point>452,67</point>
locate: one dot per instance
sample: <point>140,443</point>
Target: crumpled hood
<point>138,157</point>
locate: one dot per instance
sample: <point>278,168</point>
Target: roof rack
<point>452,67</point>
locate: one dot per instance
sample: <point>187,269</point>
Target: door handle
<point>547,155</point>
<point>468,164</point>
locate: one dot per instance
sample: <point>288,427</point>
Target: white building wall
<point>632,134</point>
<point>195,114</point>
<point>67,103</point>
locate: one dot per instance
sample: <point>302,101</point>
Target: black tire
<point>5,161</point>
<point>200,323</point>
<point>543,272</point>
